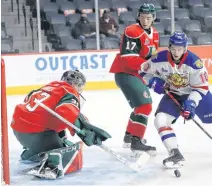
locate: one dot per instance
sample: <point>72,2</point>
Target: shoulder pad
<point>193,61</point>
<point>198,64</point>
<point>58,86</point>
<point>70,89</point>
<point>134,31</point>
<point>162,56</point>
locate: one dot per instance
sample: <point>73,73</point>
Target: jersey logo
<point>147,42</point>
<point>198,63</point>
<point>146,95</point>
<point>178,80</point>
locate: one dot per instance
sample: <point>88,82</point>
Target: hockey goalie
<point>43,135</point>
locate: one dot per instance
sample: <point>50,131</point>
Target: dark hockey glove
<point>157,85</point>
<point>189,109</point>
<point>93,135</point>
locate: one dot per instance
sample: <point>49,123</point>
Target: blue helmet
<point>179,39</point>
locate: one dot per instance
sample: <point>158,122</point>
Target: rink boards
<point>25,72</point>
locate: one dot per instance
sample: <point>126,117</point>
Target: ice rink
<point>110,110</point>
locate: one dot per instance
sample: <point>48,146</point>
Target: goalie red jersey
<point>61,97</point>
<point>41,131</point>
<point>137,46</point>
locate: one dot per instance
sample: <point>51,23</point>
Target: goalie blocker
<point>43,136</point>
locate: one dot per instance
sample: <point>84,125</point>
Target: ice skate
<point>138,146</point>
<point>45,171</point>
<point>127,140</point>
<point>174,160</point>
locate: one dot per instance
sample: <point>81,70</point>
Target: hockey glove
<point>157,85</point>
<point>93,135</point>
<point>189,109</point>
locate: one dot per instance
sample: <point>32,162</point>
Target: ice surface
<point>109,110</point>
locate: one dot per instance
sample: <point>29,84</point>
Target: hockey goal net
<point>5,176</point>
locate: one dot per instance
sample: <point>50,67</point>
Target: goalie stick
<point>177,103</point>
<point>136,166</point>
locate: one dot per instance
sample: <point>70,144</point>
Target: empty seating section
<point>19,28</point>
<point>58,18</point>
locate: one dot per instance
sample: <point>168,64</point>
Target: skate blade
<point>126,145</point>
<point>152,152</point>
<point>138,153</point>
<point>32,172</point>
<point>49,175</point>
<point>172,165</point>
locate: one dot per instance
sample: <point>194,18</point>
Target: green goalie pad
<point>63,158</point>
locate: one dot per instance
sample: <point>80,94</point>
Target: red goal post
<point>4,129</point>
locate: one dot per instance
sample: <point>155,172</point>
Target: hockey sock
<point>138,120</point>
<point>168,137</point>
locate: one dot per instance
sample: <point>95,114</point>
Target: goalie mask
<point>74,78</point>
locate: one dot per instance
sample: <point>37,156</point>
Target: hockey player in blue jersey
<point>187,79</point>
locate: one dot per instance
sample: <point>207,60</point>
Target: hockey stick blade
<point>136,166</point>
<point>143,159</point>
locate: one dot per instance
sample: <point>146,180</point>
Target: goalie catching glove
<point>93,135</point>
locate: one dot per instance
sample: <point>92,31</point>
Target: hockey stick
<point>137,166</point>
<point>181,107</point>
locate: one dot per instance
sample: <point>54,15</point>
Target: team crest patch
<point>145,94</point>
<point>178,80</point>
<point>147,42</point>
<point>198,63</point>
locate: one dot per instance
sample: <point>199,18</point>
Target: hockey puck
<point>177,173</point>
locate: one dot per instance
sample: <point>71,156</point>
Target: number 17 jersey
<point>136,47</point>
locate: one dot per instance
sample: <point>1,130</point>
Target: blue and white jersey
<point>188,77</point>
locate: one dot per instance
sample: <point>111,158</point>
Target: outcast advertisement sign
<point>28,71</point>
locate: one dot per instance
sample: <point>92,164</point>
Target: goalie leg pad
<point>71,158</point>
<point>73,161</point>
<point>59,162</point>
